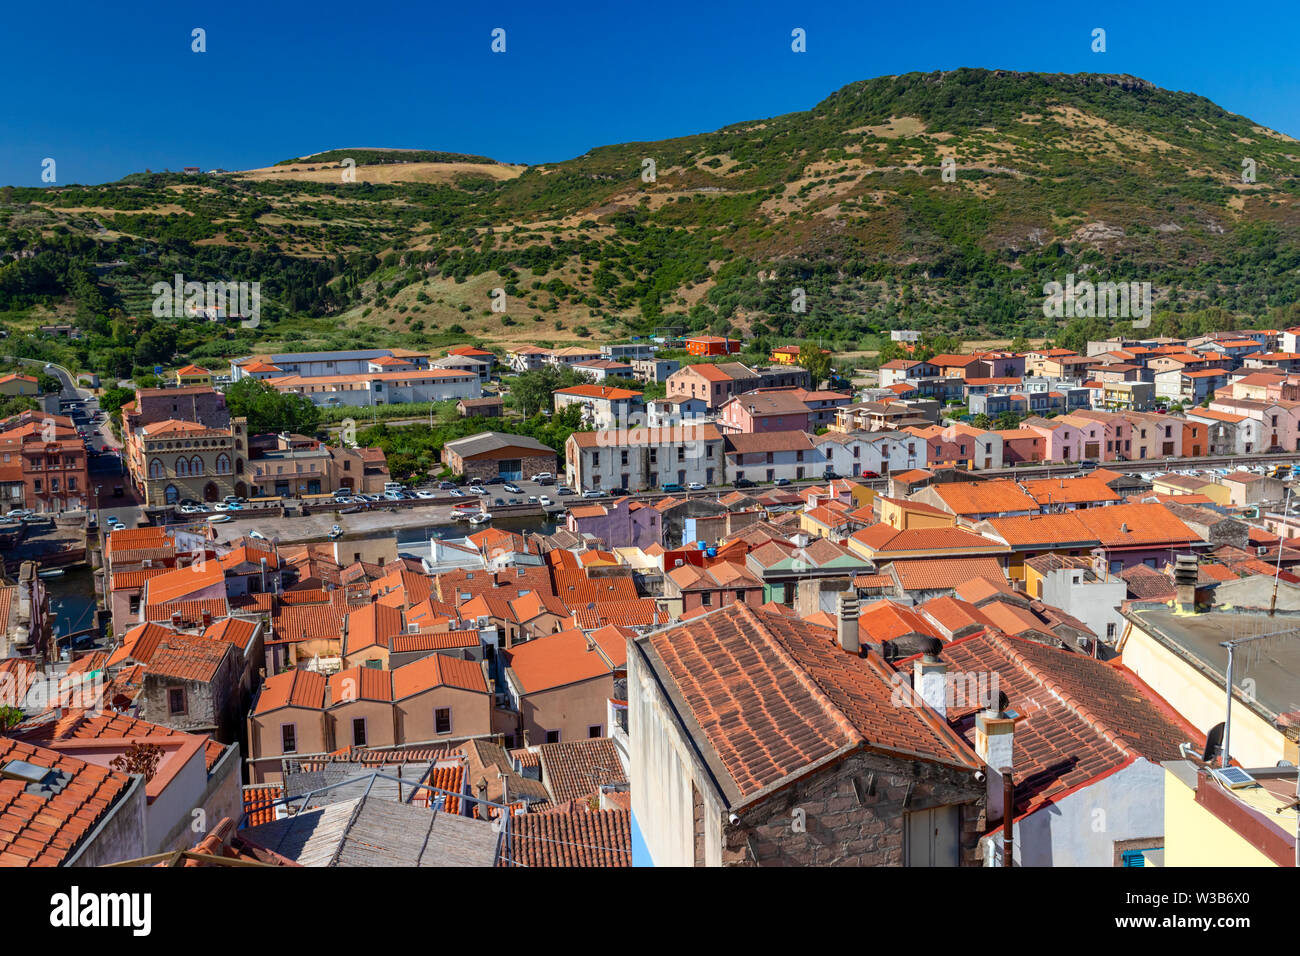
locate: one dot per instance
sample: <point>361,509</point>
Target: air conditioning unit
<point>412,629</point>
<point>1261,549</point>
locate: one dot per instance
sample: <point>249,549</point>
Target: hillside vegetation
<point>1107,177</point>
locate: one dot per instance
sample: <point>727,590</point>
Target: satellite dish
<point>1213,742</point>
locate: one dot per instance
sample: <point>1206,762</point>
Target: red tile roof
<point>576,837</point>
<point>557,660</point>
<point>573,769</point>
<point>45,829</point>
<point>923,574</point>
<point>1067,704</point>
<point>739,673</point>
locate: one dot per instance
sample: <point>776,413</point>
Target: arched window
<point>156,469</point>
<point>196,465</point>
<point>172,494</point>
<point>182,466</point>
<point>239,465</point>
<point>223,464</point>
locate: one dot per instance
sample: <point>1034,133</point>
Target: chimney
<point>930,678</point>
<point>207,619</point>
<point>176,619</point>
<point>994,734</point>
<point>1186,575</point>
<point>848,622</point>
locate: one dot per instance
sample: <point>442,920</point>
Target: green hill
<point>1104,176</point>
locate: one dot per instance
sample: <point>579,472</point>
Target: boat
<point>50,573</point>
<point>481,518</point>
<point>335,531</point>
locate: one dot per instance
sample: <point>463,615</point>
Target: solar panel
<point>1233,777</point>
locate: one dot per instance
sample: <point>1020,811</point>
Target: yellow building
<point>193,375</point>
<point>1178,655</point>
<point>1210,824</point>
<point>902,514</point>
<point>1190,485</point>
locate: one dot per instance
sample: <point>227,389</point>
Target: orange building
<point>711,345</point>
<point>1195,439</point>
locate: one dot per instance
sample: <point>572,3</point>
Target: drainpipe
<point>1008,802</point>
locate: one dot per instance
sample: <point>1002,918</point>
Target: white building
<point>769,456</point>
<point>644,458</point>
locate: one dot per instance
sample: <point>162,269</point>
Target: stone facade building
<point>860,772</point>
<point>493,454</point>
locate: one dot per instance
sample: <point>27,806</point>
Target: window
<point>552,736</point>
<point>176,701</point>
<point>359,731</point>
<point>442,720</point>
<point>156,469</point>
<point>595,730</point>
<point>706,599</point>
<point>288,738</point>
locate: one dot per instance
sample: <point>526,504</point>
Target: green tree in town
<point>268,410</point>
<point>816,361</point>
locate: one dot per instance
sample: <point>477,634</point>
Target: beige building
<point>301,713</point>
<point>171,460</point>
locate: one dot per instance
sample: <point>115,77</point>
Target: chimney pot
<point>848,622</point>
<point>930,682</point>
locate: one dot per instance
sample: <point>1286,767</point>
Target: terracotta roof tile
<point>580,838</point>
<point>45,829</point>
<point>572,769</point>
<point>739,673</point>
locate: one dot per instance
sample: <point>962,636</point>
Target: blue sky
<point>106,91</point>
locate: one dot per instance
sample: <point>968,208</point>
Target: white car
<point>455,493</point>
<point>218,519</point>
<point>543,476</point>
<point>190,510</point>
<point>544,501</point>
<point>477,490</point>
<point>695,486</point>
<point>426,495</point>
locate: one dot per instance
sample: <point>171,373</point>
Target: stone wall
<point>838,830</point>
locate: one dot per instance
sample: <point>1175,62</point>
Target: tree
<point>141,757</point>
<point>816,360</point>
<point>268,410</point>
<point>982,422</point>
<point>114,398</point>
<point>533,391</point>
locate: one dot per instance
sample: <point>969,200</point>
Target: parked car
<point>514,489</point>
<point>545,502</point>
<point>426,495</point>
<point>446,485</point>
<point>477,490</point>
<point>494,480</point>
<point>781,482</point>
<point>869,474</point>
<point>742,483</point>
<point>672,487</point>
<point>543,477</point>
<point>695,486</point>
<point>594,493</point>
<point>393,495</point>
<point>830,475</point>
<point>564,490</point>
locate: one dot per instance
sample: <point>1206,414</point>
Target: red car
<point>869,474</point>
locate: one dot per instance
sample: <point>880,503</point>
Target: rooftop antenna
<point>1277,571</point>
